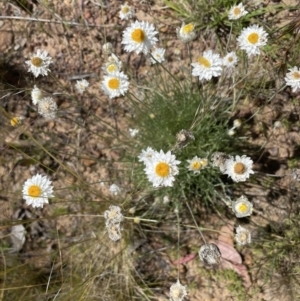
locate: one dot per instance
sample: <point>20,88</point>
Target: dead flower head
<point>183,138</point>
<point>177,291</point>
<point>210,254</point>
<point>218,159</point>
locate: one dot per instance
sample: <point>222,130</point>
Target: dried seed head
<point>114,231</point>
<point>218,159</point>
<point>237,123</point>
<point>47,107</point>
<point>107,48</point>
<point>177,291</point>
<point>210,254</point>
<point>183,138</point>
<point>243,236</point>
<point>296,174</point>
<point>113,215</point>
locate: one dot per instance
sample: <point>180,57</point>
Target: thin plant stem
<point>196,222</point>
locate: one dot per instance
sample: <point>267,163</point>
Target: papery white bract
<point>162,168</point>
<point>114,189</point>
<point>115,85</point>
<point>133,132</point>
<point>239,168</point>
<point>139,37</point>
<point>37,190</point>
<point>158,55</point>
<point>236,12</point>
<point>113,215</point>
<point>196,164</point>
<point>292,78</point>
<point>242,207</point>
<point>36,95</point>
<point>126,12</point>
<point>112,65</point>
<point>146,155</point>
<point>207,66</point>
<point>39,63</point>
<point>230,60</point>
<point>252,39</point>
<point>242,236</point>
<point>47,107</point>
<point>177,291</point>
<point>186,32</point>
<point>81,85</point>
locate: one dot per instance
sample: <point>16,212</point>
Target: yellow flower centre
<point>177,294</point>
<point>162,169</point>
<point>112,68</point>
<point>230,59</point>
<point>243,237</point>
<point>204,62</point>
<point>114,83</point>
<point>236,11</point>
<point>36,61</point>
<point>34,191</point>
<point>243,208</point>
<point>296,75</point>
<point>125,9</point>
<point>188,28</point>
<point>138,35</point>
<point>196,165</point>
<point>14,121</point>
<point>239,168</point>
<point>253,38</point>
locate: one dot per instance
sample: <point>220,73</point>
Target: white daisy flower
<point>162,169</point>
<point>112,65</point>
<point>47,107</point>
<point>37,190</point>
<point>177,291</point>
<point>242,207</point>
<point>236,12</point>
<point>230,60</point>
<point>237,123</point>
<point>207,66</point>
<point>186,33</point>
<point>115,85</point>
<point>107,48</point>
<point>39,63</point>
<point>231,132</point>
<point>113,215</point>
<point>158,55</point>
<point>239,168</point>
<point>252,38</point>
<point>126,12</point>
<point>146,155</point>
<point>81,85</point>
<point>114,189</point>
<point>139,37</point>
<point>196,164</point>
<point>292,78</point>
<point>36,95</point>
<point>242,236</point>
<point>133,132</point>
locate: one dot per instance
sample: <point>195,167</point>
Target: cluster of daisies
<point>161,168</point>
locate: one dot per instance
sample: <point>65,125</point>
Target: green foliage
<point>171,105</point>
